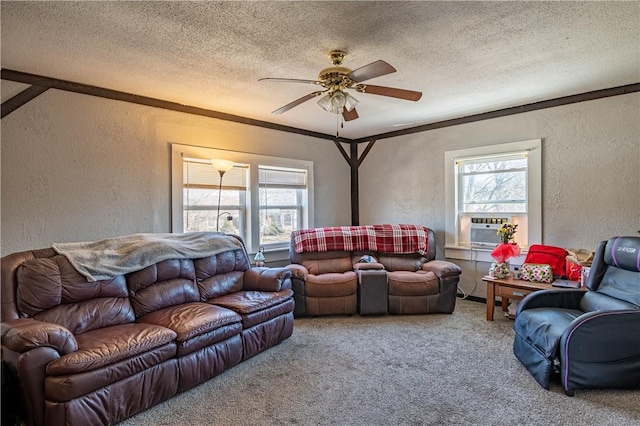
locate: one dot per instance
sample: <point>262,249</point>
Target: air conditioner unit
<point>484,230</point>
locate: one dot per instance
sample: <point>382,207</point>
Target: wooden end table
<point>508,289</point>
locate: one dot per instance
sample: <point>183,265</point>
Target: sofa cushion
<point>196,324</point>
<point>257,306</point>
<point>268,314</point>
<point>219,285</point>
<point>598,301</point>
<point>329,265</point>
<point>420,283</point>
<point>167,283</point>
<point>401,262</point>
<point>70,386</point>
<point>221,274</point>
<point>191,319</point>
<point>331,284</point>
<point>222,263</point>
<point>106,346</point>
<point>245,302</point>
<point>51,290</point>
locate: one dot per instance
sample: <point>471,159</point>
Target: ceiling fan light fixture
<point>350,102</point>
<point>325,102</point>
<point>336,80</point>
<point>337,102</point>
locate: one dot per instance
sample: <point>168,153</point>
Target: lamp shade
<point>350,102</point>
<point>222,165</point>
<point>337,102</point>
<point>325,102</point>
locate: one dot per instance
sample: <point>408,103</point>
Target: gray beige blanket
<point>100,260</point>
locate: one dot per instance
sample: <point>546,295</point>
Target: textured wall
<point>80,168</point>
<point>77,168</point>
<point>591,173</point>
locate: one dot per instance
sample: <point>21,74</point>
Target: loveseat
<point>89,349</point>
<point>333,269</point>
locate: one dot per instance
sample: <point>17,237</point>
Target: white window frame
<point>454,249</point>
<point>251,235</point>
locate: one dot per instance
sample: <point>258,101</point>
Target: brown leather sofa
<point>92,353</point>
<point>336,282</point>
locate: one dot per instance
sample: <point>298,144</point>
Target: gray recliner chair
<point>591,338</point>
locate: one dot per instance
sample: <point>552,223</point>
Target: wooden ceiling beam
<point>69,86</point>
<point>47,82</point>
<point>20,99</point>
<point>565,100</point>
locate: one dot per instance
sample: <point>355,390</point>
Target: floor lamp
<point>222,166</point>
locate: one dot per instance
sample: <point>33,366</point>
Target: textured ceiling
<point>466,57</point>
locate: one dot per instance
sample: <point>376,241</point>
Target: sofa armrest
<point>24,334</point>
<point>553,298</point>
<point>298,271</point>
<point>442,268</point>
<point>364,266</point>
<point>267,279</point>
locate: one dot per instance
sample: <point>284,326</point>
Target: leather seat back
<point>614,280</point>
<point>401,262</point>
<point>322,262</point>
<point>174,282</point>
<point>221,274</point>
<point>167,283</point>
<point>50,289</point>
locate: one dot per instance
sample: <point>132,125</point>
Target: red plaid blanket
<point>382,238</point>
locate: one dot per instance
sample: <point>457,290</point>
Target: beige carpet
<point>394,370</point>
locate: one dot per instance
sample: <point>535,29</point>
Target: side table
<point>508,289</point>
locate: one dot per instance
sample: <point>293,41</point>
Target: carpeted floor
<point>454,369</point>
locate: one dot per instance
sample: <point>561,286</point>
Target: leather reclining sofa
<point>329,276</point>
<point>92,353</point>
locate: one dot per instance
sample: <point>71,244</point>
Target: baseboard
<point>473,298</point>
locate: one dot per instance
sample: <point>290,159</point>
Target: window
<point>281,199</point>
<point>262,198</point>
<point>486,186</point>
<point>493,184</point>
<point>200,195</point>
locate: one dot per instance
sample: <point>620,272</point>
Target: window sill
<point>476,254</point>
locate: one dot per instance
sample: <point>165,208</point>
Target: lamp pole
<point>222,166</point>
<point>219,194</point>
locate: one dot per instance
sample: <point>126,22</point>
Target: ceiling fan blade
<point>373,70</point>
<point>289,80</point>
<point>350,115</point>
<point>297,102</point>
<point>392,92</point>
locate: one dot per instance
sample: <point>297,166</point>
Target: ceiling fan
<point>337,79</point>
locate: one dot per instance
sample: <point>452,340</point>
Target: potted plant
<point>504,251</point>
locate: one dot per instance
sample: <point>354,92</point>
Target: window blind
<point>282,178</point>
<point>201,174</point>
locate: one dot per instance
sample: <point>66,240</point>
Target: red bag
<point>556,257</point>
